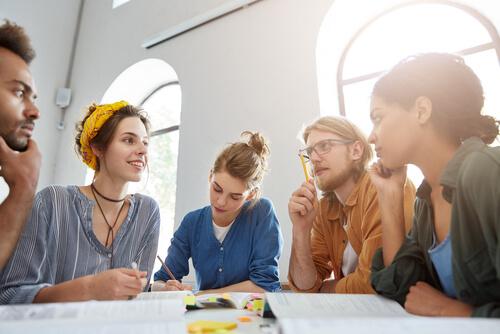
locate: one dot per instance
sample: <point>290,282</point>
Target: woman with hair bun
<point>236,241</point>
<point>93,242</point>
<point>426,111</point>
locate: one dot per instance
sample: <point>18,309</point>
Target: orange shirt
<point>363,230</point>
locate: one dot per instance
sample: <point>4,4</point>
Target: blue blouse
<point>250,250</point>
<point>441,259</point>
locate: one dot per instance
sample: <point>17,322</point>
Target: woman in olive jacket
<point>426,111</point>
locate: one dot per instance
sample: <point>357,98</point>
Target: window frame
<point>490,27</point>
<point>151,94</point>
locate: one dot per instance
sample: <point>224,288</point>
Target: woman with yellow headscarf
<point>94,241</point>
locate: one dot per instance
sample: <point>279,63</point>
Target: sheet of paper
<point>305,305</point>
<point>172,309</point>
<point>409,325</point>
<point>163,295</point>
<point>96,317</point>
<point>93,327</point>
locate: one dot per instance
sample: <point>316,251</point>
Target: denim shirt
<point>250,250</point>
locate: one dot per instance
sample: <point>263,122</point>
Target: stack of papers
<point>408,325</point>
<point>353,314</point>
<point>307,305</point>
<point>96,317</point>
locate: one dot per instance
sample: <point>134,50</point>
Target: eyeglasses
<point>322,147</point>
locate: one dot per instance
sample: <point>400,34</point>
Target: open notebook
<point>236,300</point>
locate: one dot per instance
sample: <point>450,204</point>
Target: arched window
<point>153,85</point>
<point>376,40</point>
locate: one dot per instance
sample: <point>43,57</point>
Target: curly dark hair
<point>454,89</point>
<point>15,39</point>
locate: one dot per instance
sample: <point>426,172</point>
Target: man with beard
<point>334,239</point>
<point>19,155</point>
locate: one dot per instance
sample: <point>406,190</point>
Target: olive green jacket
<point>471,183</point>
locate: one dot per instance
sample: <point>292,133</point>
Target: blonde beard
<point>335,182</point>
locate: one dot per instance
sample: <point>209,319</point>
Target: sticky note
<point>258,304</point>
<point>208,326</point>
<point>189,300</point>
<point>244,319</point>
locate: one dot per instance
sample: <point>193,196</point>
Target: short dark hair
<point>454,89</point>
<point>15,39</point>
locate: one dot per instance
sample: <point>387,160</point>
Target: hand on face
<point>20,169</point>
<point>386,180</point>
<point>303,205</point>
<point>114,284</point>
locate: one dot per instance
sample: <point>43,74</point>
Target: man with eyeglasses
<point>334,238</point>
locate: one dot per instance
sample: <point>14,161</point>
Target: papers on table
<point>356,314</point>
<point>166,316</point>
<point>408,325</point>
<point>306,305</point>
<point>162,295</point>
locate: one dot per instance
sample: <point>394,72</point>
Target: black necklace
<point>106,198</point>
<point>110,227</point>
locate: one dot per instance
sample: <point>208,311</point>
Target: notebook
<point>236,300</point>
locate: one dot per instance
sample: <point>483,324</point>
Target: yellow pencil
<point>302,161</point>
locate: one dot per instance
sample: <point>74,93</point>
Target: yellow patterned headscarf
<point>100,114</point>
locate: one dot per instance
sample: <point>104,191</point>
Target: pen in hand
<point>134,266</point>
<point>137,275</point>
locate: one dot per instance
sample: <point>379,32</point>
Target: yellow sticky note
<point>208,326</point>
<point>258,304</point>
<point>189,300</point>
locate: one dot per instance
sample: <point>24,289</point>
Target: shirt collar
<point>450,174</point>
<point>351,200</point>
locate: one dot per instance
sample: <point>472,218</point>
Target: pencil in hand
<point>303,162</point>
<point>172,277</point>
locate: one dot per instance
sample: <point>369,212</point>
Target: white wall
<point>51,25</point>
<point>253,69</point>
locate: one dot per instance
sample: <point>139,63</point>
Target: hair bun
<point>257,142</point>
<point>488,129</point>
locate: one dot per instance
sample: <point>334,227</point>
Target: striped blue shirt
<point>58,243</point>
<point>250,250</point>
